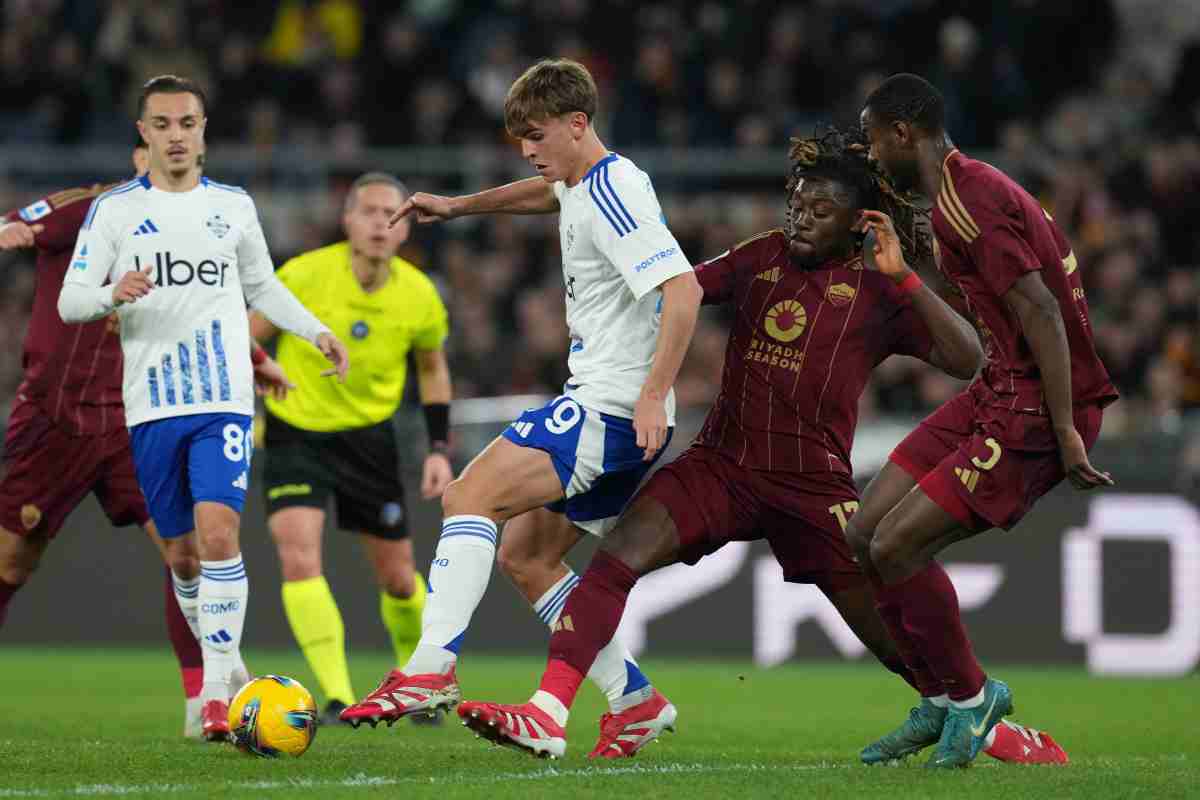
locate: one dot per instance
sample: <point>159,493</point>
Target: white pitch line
<point>373,781</point>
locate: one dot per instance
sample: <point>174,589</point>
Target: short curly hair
<point>841,157</point>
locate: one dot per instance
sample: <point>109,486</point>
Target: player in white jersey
<point>632,300</point>
<point>178,256</point>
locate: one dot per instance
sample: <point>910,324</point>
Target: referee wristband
<point>911,284</point>
<point>257,354</point>
<point>437,425</point>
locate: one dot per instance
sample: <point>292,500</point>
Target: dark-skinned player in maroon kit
<point>982,459</point>
<point>773,459</point>
<point>66,436</point>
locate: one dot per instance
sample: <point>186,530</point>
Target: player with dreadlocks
<point>812,319</point>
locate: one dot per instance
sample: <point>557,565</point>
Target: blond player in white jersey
<point>178,257</point>
<point>632,300</point>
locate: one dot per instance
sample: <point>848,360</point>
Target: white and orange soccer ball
<point>273,716</point>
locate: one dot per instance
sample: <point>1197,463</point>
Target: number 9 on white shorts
<point>595,455</point>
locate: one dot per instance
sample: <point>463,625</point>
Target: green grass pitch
<point>87,723</point>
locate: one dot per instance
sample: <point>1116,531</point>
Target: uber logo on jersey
<point>180,272</point>
<point>360,329</point>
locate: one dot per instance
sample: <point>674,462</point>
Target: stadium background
<point>1094,105</point>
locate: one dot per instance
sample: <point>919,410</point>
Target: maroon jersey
<point>72,372</point>
<point>800,350</point>
<point>988,232</point>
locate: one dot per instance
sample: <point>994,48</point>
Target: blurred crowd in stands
<point>1094,105</point>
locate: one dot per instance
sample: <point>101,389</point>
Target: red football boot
<point>1017,744</point>
<point>622,735</point>
<point>214,721</point>
<point>400,695</point>
<point>525,727</point>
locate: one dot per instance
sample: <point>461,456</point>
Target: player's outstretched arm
<point>1042,325</point>
<point>528,196</point>
<point>956,349</point>
<point>681,305</point>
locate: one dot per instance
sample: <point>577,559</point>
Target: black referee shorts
<point>359,468</point>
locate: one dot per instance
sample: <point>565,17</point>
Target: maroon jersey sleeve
<point>60,215</point>
<point>719,276</point>
<point>992,222</point>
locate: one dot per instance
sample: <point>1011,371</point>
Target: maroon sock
<point>7,590</point>
<point>913,668</point>
<point>931,618</point>
<point>587,623</point>
<point>187,649</point>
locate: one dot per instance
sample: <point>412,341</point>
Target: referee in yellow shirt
<point>336,440</point>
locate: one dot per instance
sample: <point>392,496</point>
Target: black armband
<point>437,425</point>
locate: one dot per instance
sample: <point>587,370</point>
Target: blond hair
<point>550,88</point>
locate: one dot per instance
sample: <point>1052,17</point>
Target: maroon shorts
<point>47,472</point>
<point>985,465</point>
<point>712,501</point>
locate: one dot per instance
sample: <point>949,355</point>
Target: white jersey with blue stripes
<point>186,344</point>
<point>616,250</point>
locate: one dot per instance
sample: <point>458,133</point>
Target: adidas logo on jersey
<point>242,482</point>
<point>145,228</point>
<point>220,637</point>
<point>563,624</point>
<point>522,428</point>
<point>771,275</point>
<point>969,477</point>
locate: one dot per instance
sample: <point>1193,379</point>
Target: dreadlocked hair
<point>842,157</point>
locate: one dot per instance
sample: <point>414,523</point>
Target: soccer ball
<point>272,716</point>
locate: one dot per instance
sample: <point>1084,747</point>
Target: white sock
<point>940,700</point>
<point>223,594</point>
<point>458,577</point>
<point>614,671</point>
<point>970,702</point>
<point>552,706</point>
<point>187,594</point>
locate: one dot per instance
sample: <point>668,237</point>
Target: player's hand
<point>133,284</point>
<point>650,423</point>
<point>428,207</point>
<point>18,235</point>
<point>881,249</point>
<point>1079,470</point>
<point>435,475</point>
<point>270,378</point>
<point>335,351</point>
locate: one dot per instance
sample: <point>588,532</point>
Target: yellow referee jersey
<point>378,329</point>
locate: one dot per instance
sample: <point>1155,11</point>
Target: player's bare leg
<point>902,551</point>
<point>532,551</point>
<point>223,593</point>
<point>923,726</point>
<point>183,640</point>
<point>531,555</point>
<point>643,540</point>
<point>19,558</point>
<point>500,483</point>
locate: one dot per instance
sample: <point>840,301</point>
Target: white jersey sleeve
<point>265,292</point>
<point>84,296</point>
<point>630,229</point>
